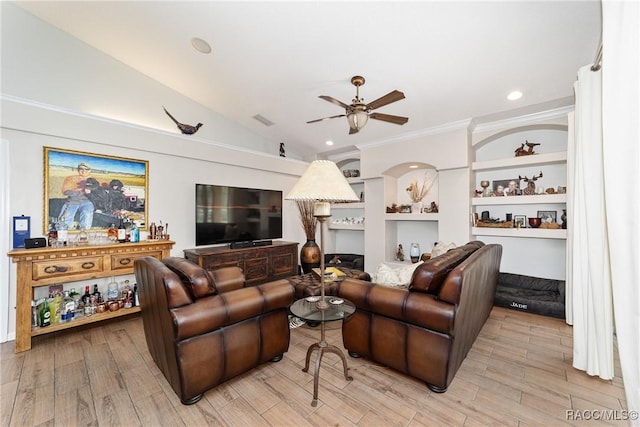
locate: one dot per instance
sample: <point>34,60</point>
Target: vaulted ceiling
<point>453,60</point>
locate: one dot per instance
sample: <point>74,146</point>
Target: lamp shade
<point>322,181</point>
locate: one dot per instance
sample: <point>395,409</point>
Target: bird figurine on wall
<point>185,129</point>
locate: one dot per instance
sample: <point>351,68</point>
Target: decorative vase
<point>310,256</point>
<point>414,252</point>
<point>416,207</point>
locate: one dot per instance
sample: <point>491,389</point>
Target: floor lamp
<point>322,183</point>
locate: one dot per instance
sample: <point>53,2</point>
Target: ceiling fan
<point>358,113</point>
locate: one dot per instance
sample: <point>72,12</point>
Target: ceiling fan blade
<point>393,96</point>
<point>326,118</point>
<point>398,120</point>
<point>335,101</point>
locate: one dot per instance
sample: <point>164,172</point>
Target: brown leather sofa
<point>204,327</point>
<point>427,330</point>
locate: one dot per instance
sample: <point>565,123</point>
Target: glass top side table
<point>338,309</point>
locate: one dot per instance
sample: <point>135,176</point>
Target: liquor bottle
<point>153,230</point>
<point>112,292</point>
<point>62,231</point>
<point>122,232</point>
<point>112,233</point>
<point>53,234</point>
<point>86,296</point>
<point>135,233</point>
<point>68,308</point>
<point>55,308</point>
<point>45,314</point>
<point>136,301</point>
<point>34,315</point>
<point>97,294</point>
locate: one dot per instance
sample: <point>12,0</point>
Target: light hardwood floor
<point>518,373</point>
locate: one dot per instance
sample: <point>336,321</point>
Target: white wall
<point>59,92</point>
<point>176,163</point>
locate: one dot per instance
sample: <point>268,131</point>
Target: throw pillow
<point>441,248</point>
<point>394,277</point>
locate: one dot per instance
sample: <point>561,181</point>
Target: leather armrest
<point>227,279</point>
<point>216,311</point>
<point>417,308</point>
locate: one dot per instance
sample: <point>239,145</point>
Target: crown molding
<point>62,110</point>
<point>447,127</point>
<point>523,120</point>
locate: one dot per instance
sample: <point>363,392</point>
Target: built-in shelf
<point>411,217</point>
<point>354,227</point>
<point>537,233</point>
<point>519,200</point>
<point>355,181</point>
<point>85,320</point>
<point>515,162</point>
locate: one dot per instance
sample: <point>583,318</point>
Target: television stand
<point>260,264</point>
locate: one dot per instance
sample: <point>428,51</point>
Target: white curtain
<point>589,268</point>
<point>603,273</point>
<point>621,134</point>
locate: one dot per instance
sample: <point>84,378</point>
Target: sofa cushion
<point>195,278</point>
<point>431,274</point>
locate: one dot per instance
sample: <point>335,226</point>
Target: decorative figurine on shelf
<point>485,186</point>
<point>400,253</point>
<point>531,185</point>
<point>282,149</point>
<point>563,217</point>
<point>520,151</point>
<point>185,129</point>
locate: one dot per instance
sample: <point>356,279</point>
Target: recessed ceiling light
<point>200,45</point>
<point>516,94</point>
<point>329,142</point>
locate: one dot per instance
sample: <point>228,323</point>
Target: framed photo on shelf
<point>92,191</point>
<point>501,187</point>
<point>520,221</point>
<point>548,216</point>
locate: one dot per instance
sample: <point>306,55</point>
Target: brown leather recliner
<point>427,330</point>
<point>204,327</point>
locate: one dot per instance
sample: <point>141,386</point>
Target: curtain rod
<point>598,59</point>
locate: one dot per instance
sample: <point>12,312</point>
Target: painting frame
<point>548,216</point>
<point>520,221</point>
<point>97,190</point>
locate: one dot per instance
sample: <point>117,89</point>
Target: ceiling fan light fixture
<point>357,119</point>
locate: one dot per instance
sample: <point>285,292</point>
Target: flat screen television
<point>227,214</point>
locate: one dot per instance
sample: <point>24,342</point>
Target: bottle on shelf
<point>45,314</point>
<point>97,294</point>
<point>112,290</point>
<point>62,231</point>
<point>112,233</point>
<point>34,315</point>
<point>53,233</point>
<point>135,233</point>
<point>68,308</point>
<point>122,232</point>
<point>83,237</point>
<point>136,301</point>
<point>86,296</point>
<point>55,307</point>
